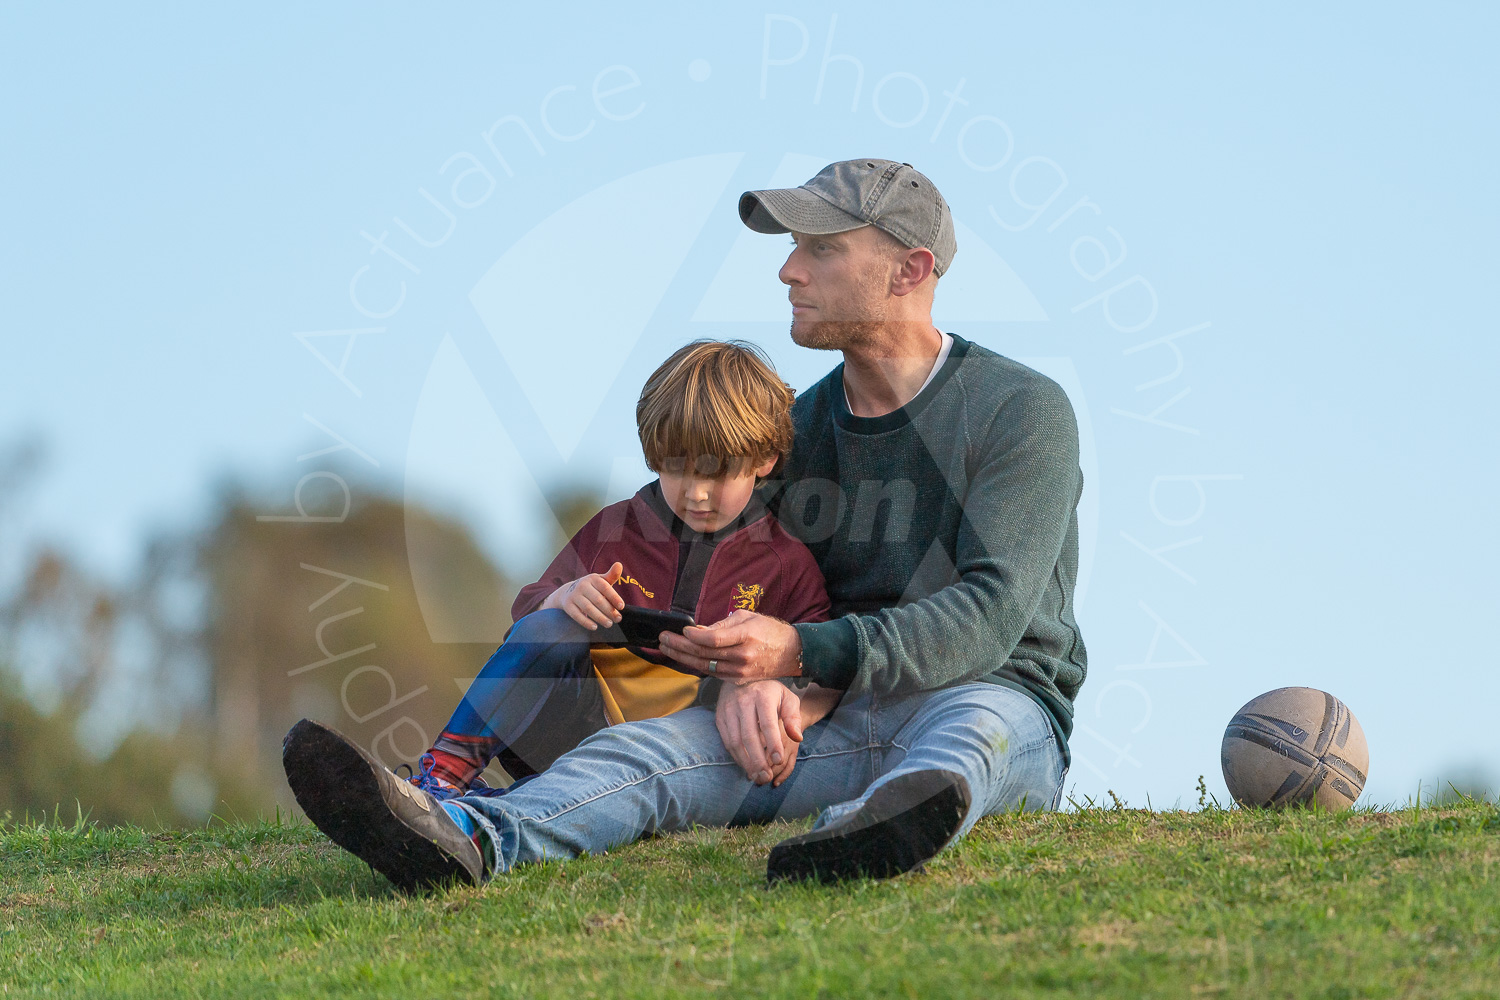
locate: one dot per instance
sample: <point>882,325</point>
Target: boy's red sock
<point>458,771</point>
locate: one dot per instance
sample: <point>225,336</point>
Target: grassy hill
<point>1086,903</point>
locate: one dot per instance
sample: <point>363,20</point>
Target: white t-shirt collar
<point>941,357</point>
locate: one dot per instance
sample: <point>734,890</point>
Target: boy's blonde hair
<point>716,406</point>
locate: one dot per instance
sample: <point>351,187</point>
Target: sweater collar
<point>847,421</point>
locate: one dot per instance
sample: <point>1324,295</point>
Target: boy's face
<point>708,503</point>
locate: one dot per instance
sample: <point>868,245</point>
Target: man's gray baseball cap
<point>891,196</point>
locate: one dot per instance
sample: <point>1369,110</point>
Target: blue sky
<point>185,190</point>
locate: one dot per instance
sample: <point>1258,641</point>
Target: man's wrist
<point>799,679</point>
<point>830,652</point>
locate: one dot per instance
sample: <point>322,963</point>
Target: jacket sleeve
<point>805,600</point>
<point>1020,499</point>
<point>807,591</point>
<point>572,562</point>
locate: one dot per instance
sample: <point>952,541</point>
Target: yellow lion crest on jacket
<point>747,596</point>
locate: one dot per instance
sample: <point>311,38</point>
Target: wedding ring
<point>713,666</point>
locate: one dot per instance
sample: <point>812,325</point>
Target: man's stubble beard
<point>834,335</point>
<point>865,300</point>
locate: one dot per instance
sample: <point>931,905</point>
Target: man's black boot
<point>907,820</point>
<point>393,826</point>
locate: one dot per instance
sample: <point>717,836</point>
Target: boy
<point>713,420</point>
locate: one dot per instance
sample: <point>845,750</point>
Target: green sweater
<point>948,534</point>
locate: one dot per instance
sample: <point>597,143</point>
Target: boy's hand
<point>761,725</point>
<point>591,600</point>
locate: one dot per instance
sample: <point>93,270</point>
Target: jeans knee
<point>549,625</point>
<point>986,733</point>
<point>682,739</point>
<point>1007,722</point>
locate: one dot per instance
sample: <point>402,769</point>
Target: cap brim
<point>794,210</point>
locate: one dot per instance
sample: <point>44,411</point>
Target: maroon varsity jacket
<point>750,563</point>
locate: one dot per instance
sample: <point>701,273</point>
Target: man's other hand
<point>761,725</point>
<point>743,647</point>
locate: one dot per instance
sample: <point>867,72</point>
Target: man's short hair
<point>717,406</point>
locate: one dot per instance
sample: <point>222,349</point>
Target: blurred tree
<point>141,781</point>
<point>20,460</point>
<point>60,627</point>
<point>62,639</point>
<point>321,620</point>
<point>572,507</point>
<point>230,632</point>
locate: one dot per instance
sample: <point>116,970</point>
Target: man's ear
<point>914,268</point>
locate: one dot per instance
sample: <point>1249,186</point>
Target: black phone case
<point>640,627</point>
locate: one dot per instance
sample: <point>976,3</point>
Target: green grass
<point>1087,903</point>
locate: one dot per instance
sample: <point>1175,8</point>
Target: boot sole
<point>907,821</point>
<point>395,828</point>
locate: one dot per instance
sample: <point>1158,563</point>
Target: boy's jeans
<point>669,774</point>
<point>535,699</point>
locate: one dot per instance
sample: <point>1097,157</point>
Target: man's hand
<point>591,600</point>
<point>744,647</point>
<point>761,725</point>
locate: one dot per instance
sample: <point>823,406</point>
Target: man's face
<point>840,286</point>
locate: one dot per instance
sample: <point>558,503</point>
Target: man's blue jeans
<point>673,773</point>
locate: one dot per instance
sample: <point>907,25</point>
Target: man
<point>937,484</point>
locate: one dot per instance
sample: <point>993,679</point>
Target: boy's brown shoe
<point>393,826</point>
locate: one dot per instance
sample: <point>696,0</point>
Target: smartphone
<point>640,627</point>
